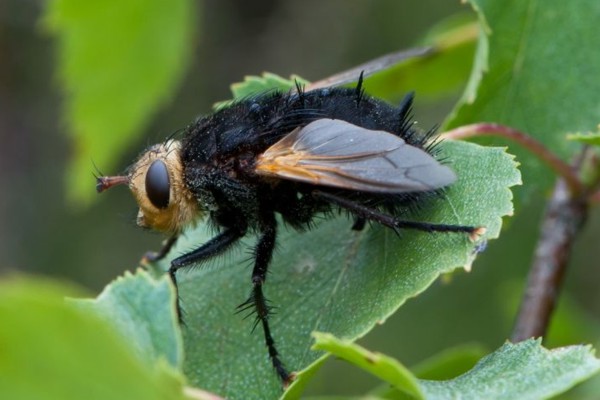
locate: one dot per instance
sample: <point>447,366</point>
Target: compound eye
<point>157,184</point>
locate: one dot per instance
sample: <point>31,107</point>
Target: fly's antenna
<point>106,182</point>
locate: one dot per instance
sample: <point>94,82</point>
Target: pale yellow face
<point>176,206</point>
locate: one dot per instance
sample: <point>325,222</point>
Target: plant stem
<point>564,216</point>
<point>537,148</point>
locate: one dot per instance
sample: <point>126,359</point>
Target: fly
<point>296,154</point>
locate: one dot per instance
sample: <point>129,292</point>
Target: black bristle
<point>359,90</point>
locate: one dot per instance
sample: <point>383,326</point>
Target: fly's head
<point>157,183</point>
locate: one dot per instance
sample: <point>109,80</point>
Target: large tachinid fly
<point>296,154</point>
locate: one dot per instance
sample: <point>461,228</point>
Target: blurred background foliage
<point>42,232</point>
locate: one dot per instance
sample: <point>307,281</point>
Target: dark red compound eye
<point>158,184</point>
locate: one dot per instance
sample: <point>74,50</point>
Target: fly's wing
<point>335,153</point>
<point>370,67</point>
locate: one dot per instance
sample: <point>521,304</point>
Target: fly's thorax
<point>157,182</point>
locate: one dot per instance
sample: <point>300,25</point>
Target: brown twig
<point>594,198</point>
<point>563,219</point>
<point>563,169</point>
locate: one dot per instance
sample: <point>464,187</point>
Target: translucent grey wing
<point>336,153</point>
<point>370,67</point>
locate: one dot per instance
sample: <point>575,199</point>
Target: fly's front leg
<point>392,222</point>
<point>359,224</point>
<point>213,247</point>
<point>167,245</point>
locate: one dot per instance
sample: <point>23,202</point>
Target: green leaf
<point>571,323</point>
<point>118,61</point>
<point>52,350</point>
<point>296,389</point>
<point>519,371</point>
<point>259,84</point>
<point>445,365</point>
<point>252,85</point>
<point>524,370</point>
<point>453,43</point>
<point>143,308</point>
<point>450,362</point>
<point>531,78</point>
<point>331,279</point>
<point>382,366</point>
<point>592,139</point>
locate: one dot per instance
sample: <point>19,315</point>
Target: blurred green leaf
<point>118,61</point>
<point>331,279</point>
<point>570,322</point>
<point>528,76</point>
<point>441,72</point>
<point>52,350</point>
<point>451,43</point>
<point>450,362</point>
<point>524,370</point>
<point>366,397</point>
<point>380,365</point>
<point>143,308</point>
<point>592,139</point>
<point>445,365</point>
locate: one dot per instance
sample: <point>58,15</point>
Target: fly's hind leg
<point>392,222</point>
<point>257,301</point>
